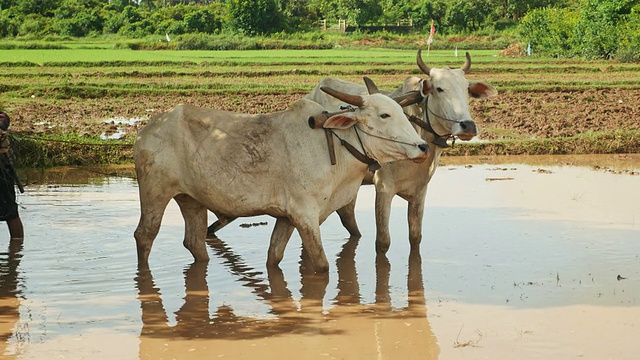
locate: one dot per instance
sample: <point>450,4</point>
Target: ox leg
<point>310,235</point>
<point>151,212</point>
<point>195,226</point>
<point>279,238</point>
<point>383,211</point>
<point>219,224</point>
<point>348,218</point>
<point>415,213</point>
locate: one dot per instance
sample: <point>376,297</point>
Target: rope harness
<point>440,140</point>
<point>364,157</point>
<point>317,122</point>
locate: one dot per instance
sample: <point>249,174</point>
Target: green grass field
<point>85,72</point>
<point>384,56</point>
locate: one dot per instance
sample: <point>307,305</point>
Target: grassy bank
<point>618,142</point>
<point>69,150</point>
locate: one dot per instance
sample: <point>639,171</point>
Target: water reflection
<point>533,267</point>
<point>349,328</point>
<point>9,292</point>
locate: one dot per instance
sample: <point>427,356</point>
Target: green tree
<point>365,11</point>
<point>463,15</point>
<point>395,10</point>
<point>41,7</point>
<point>629,49</point>
<point>429,10</point>
<point>202,19</point>
<point>34,24</point>
<point>254,17</point>
<point>515,9</point>
<point>78,18</point>
<point>332,10</point>
<point>298,15</point>
<point>549,30</point>
<point>136,22</point>
<point>599,30</point>
<point>9,25</point>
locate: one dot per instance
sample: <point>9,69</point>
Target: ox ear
<point>339,122</point>
<point>480,90</point>
<point>425,87</point>
<point>409,98</point>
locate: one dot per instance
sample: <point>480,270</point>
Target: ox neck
<point>372,164</point>
<point>438,140</point>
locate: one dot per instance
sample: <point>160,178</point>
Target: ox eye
<point>439,89</point>
<point>385,116</point>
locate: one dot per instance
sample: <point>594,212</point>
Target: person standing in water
<point>8,180</point>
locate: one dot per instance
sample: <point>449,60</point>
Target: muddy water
<point>521,258</point>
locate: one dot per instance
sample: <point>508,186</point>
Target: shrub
<point>629,49</point>
<point>601,26</point>
<point>34,24</point>
<point>549,31</point>
<point>254,17</point>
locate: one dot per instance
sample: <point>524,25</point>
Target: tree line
<point>588,28</point>
<point>139,18</point>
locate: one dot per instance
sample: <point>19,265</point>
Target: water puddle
<point>521,258</point>
<point>116,132</point>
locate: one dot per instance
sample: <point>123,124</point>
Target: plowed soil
<point>515,115</point>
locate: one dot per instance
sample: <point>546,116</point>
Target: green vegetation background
<point>604,29</point>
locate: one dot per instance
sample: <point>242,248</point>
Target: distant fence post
<point>322,24</point>
<point>342,24</point>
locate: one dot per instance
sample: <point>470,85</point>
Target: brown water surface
<point>528,257</point>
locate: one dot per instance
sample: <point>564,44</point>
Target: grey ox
<point>239,165</point>
<point>445,113</point>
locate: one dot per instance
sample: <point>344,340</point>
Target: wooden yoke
<point>317,121</point>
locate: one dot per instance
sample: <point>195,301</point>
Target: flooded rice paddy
<point>521,258</point>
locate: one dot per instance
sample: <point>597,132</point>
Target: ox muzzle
<point>467,129</point>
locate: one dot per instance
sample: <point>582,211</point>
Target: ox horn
<point>371,86</point>
<point>409,98</point>
<point>354,100</point>
<point>425,69</point>
<point>467,64</point>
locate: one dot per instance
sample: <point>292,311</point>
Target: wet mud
<point>511,115</point>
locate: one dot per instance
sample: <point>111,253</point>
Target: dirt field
<point>512,115</point>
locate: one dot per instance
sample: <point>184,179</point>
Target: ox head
<point>448,92</point>
<point>380,123</point>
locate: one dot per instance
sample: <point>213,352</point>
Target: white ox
<point>445,113</point>
<point>245,165</point>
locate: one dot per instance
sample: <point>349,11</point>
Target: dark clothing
<point>8,205</point>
